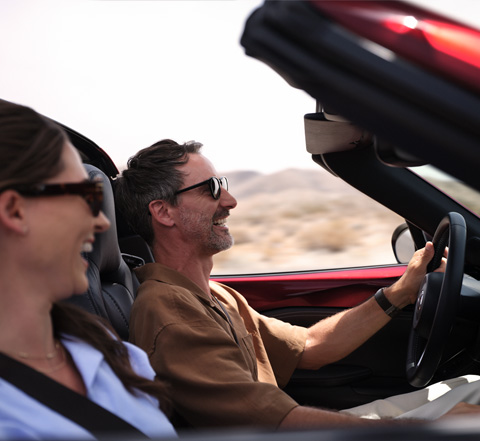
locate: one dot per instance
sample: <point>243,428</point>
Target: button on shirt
<point>22,417</point>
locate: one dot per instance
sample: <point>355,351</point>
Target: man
<point>223,361</point>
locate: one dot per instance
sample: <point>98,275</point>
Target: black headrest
<point>106,252</point>
<point>112,284</point>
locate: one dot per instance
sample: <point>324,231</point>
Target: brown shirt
<point>222,369</point>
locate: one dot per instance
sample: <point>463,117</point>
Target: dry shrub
<point>333,235</point>
<point>306,229</point>
<point>242,234</point>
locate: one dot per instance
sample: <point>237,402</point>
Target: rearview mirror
<point>394,156</point>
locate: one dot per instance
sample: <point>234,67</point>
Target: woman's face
<point>62,227</point>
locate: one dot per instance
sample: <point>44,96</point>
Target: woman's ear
<point>161,212</point>
<point>12,212</point>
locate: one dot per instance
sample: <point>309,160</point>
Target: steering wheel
<point>437,301</point>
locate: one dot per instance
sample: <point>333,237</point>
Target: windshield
<point>456,189</point>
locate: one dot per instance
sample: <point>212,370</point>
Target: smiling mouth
<point>87,247</point>
<point>220,222</point>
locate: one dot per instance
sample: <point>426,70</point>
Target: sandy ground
<point>301,220</point>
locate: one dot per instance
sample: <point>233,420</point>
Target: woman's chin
<point>81,285</point>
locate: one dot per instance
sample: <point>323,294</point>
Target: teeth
<point>220,222</point>
<point>87,247</point>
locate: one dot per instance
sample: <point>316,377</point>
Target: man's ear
<point>12,212</point>
<point>161,212</point>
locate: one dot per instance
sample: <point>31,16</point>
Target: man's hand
<point>405,290</point>
<point>333,338</point>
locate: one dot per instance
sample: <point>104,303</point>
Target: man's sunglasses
<point>215,184</point>
<point>90,190</point>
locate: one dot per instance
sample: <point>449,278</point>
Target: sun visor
<point>324,135</point>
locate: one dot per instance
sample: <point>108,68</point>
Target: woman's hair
<point>151,174</point>
<point>31,148</point>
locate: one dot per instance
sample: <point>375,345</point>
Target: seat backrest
<point>112,284</point>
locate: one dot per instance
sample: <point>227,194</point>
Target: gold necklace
<point>55,368</point>
<point>60,365</point>
<point>47,356</point>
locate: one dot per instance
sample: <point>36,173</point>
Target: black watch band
<point>383,302</point>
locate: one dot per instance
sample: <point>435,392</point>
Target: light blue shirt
<point>22,417</point>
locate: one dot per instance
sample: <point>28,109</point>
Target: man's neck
<point>196,269</point>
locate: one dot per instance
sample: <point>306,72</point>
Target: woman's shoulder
<point>139,361</point>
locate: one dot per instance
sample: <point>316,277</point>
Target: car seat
<point>112,283</point>
<point>131,243</point>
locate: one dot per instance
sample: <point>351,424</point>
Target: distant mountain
<point>298,219</point>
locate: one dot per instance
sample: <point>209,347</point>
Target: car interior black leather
<point>112,284</point>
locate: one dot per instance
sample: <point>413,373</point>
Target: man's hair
<point>150,175</point>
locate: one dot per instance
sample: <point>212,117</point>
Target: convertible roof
<point>365,73</point>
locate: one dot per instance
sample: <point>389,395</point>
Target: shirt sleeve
<point>211,382</point>
<point>284,344</point>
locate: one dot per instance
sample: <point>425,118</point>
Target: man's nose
<point>227,200</point>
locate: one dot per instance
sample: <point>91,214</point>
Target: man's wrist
<point>384,303</point>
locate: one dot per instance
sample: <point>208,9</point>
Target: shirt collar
<point>164,274</point>
<point>86,358</point>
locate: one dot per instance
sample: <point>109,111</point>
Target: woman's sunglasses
<point>215,184</point>
<point>90,190</point>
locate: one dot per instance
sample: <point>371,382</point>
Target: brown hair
<point>30,146</point>
<point>30,152</point>
<point>151,174</point>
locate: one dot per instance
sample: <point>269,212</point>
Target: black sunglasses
<point>90,190</point>
<point>215,184</point>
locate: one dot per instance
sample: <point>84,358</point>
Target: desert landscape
<point>301,220</point>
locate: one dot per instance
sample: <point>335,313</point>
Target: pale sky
<point>129,73</point>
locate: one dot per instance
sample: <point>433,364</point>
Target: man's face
<point>201,218</point>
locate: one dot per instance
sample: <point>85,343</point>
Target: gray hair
<point>151,174</point>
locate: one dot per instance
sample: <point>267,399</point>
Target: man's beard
<point>200,228</point>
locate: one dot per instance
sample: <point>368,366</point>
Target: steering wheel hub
<point>426,306</point>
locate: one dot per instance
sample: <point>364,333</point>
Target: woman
<point>49,213</point>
